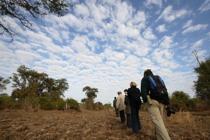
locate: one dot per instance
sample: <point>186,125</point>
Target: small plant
<point>72,104</point>
<point>46,103</point>
<point>60,104</point>
<point>5,101</point>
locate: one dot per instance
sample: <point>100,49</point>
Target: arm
<point>118,102</point>
<point>144,89</point>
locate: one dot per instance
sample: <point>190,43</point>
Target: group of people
<point>155,96</point>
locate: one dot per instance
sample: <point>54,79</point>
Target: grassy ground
<point>100,125</point>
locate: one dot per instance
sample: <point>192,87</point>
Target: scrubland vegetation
<point>23,115</point>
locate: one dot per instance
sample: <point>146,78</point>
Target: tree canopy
<point>3,83</point>
<point>180,100</point>
<point>202,85</point>
<point>21,10</point>
<point>27,82</point>
<point>90,92</point>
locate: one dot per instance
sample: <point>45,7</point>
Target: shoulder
<point>145,79</point>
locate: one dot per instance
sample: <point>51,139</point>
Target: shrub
<point>72,104</point>
<point>107,106</point>
<point>5,101</point>
<point>46,103</point>
<point>60,104</point>
<point>98,106</point>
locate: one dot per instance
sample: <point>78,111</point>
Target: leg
<point>161,132</point>
<point>138,120</point>
<point>122,116</point>
<point>134,120</point>
<point>128,120</point>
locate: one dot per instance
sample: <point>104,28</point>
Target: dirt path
<point>85,125</point>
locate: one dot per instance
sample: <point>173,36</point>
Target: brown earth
<point>95,125</point>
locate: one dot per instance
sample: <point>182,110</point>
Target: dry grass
<point>100,125</point>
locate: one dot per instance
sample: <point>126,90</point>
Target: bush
<point>46,103</point>
<point>5,101</point>
<point>60,104</point>
<point>72,104</point>
<point>98,106</point>
<point>107,106</point>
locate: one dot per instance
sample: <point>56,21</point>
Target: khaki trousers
<point>156,111</point>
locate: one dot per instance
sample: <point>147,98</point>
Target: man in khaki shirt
<point>121,106</point>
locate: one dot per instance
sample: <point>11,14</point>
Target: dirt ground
<point>95,125</point>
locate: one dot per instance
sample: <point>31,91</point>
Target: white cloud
<point>198,44</point>
<point>154,2</point>
<point>205,6</point>
<point>161,28</point>
<point>27,57</point>
<point>82,10</point>
<point>148,34</point>
<point>194,28</point>
<point>187,24</point>
<point>102,44</point>
<point>123,11</point>
<point>170,15</point>
<point>166,42</point>
<point>127,31</point>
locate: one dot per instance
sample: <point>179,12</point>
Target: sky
<point>106,44</point>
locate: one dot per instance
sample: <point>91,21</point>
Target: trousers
<point>156,111</point>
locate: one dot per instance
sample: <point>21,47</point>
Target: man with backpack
<point>155,96</point>
<point>135,102</point>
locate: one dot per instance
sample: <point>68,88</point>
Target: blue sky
<point>109,43</point>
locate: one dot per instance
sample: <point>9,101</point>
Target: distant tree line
<point>35,90</point>
<point>32,89</point>
<point>89,103</point>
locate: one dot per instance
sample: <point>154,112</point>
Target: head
<point>115,98</point>
<point>119,92</point>
<point>148,72</point>
<point>125,91</point>
<point>133,84</point>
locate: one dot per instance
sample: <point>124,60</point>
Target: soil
<point>95,125</point>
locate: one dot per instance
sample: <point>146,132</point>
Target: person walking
<point>135,102</point>
<point>115,108</point>
<point>121,106</point>
<point>127,109</point>
<point>155,96</point>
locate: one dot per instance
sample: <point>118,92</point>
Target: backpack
<point>158,90</point>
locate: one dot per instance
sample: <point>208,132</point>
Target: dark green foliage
<point>180,100</point>
<point>91,95</point>
<point>202,85</point>
<point>46,103</point>
<point>60,104</point>
<point>23,10</point>
<point>8,102</point>
<point>5,101</point>
<point>90,92</point>
<point>30,83</point>
<point>98,106</point>
<point>3,83</point>
<point>107,106</point>
<point>72,104</point>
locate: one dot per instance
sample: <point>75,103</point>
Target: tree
<point>180,100</point>
<point>91,95</point>
<point>3,83</point>
<point>30,83</point>
<point>202,85</point>
<point>22,10</point>
<point>90,92</point>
